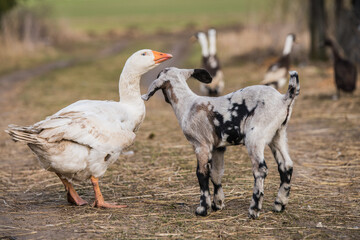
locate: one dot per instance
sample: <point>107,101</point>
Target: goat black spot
<point>107,157</point>
<point>285,177</point>
<point>203,179</point>
<point>221,149</point>
<point>216,188</point>
<point>256,198</point>
<point>287,116</point>
<point>163,71</point>
<point>281,204</point>
<point>231,128</point>
<point>262,164</point>
<point>292,92</point>
<point>288,193</point>
<point>204,186</point>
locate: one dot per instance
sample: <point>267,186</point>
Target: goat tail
<point>23,134</point>
<point>294,86</point>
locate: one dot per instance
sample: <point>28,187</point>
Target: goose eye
<point>143,54</point>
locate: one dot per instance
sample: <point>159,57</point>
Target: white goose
<point>81,140</point>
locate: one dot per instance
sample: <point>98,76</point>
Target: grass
<point>102,20</point>
<point>157,15</point>
<point>88,80</point>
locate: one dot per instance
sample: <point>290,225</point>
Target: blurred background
<point>52,35</point>
<point>38,31</point>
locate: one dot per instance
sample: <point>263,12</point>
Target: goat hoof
<point>279,207</point>
<point>201,211</point>
<point>216,207</point>
<point>254,214</point>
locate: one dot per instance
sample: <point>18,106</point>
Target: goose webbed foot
<point>99,199</point>
<point>76,199</point>
<point>72,195</point>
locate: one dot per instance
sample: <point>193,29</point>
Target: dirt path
<point>179,50</point>
<point>8,81</point>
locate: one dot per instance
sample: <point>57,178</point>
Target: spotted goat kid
<point>255,116</point>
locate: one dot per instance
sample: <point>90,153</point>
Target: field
<point>157,15</point>
<point>158,182</point>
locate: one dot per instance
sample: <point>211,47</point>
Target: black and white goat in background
<point>211,63</point>
<point>277,72</point>
<point>255,116</point>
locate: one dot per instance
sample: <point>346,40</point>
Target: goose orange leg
<point>72,195</point>
<point>99,199</point>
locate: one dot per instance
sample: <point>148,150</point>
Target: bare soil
<point>159,184</point>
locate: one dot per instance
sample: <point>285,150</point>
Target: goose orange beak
<point>161,57</point>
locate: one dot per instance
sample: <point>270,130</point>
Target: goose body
<point>73,141</point>
<point>80,141</point>
<point>211,63</point>
<point>276,74</point>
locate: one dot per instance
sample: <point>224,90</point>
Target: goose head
<point>144,60</point>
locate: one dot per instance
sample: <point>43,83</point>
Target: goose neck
<point>129,86</point>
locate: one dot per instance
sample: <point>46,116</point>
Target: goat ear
<point>202,75</point>
<point>152,90</point>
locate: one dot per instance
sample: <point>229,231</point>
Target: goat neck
<point>180,97</point>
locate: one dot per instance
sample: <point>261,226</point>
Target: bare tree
<point>347,28</point>
<point>317,25</point>
<point>5,6</point>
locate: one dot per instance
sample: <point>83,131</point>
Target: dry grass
<point>159,184</point>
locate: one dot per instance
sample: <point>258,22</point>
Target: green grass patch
<point>150,16</point>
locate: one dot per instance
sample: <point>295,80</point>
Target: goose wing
<point>100,132</point>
